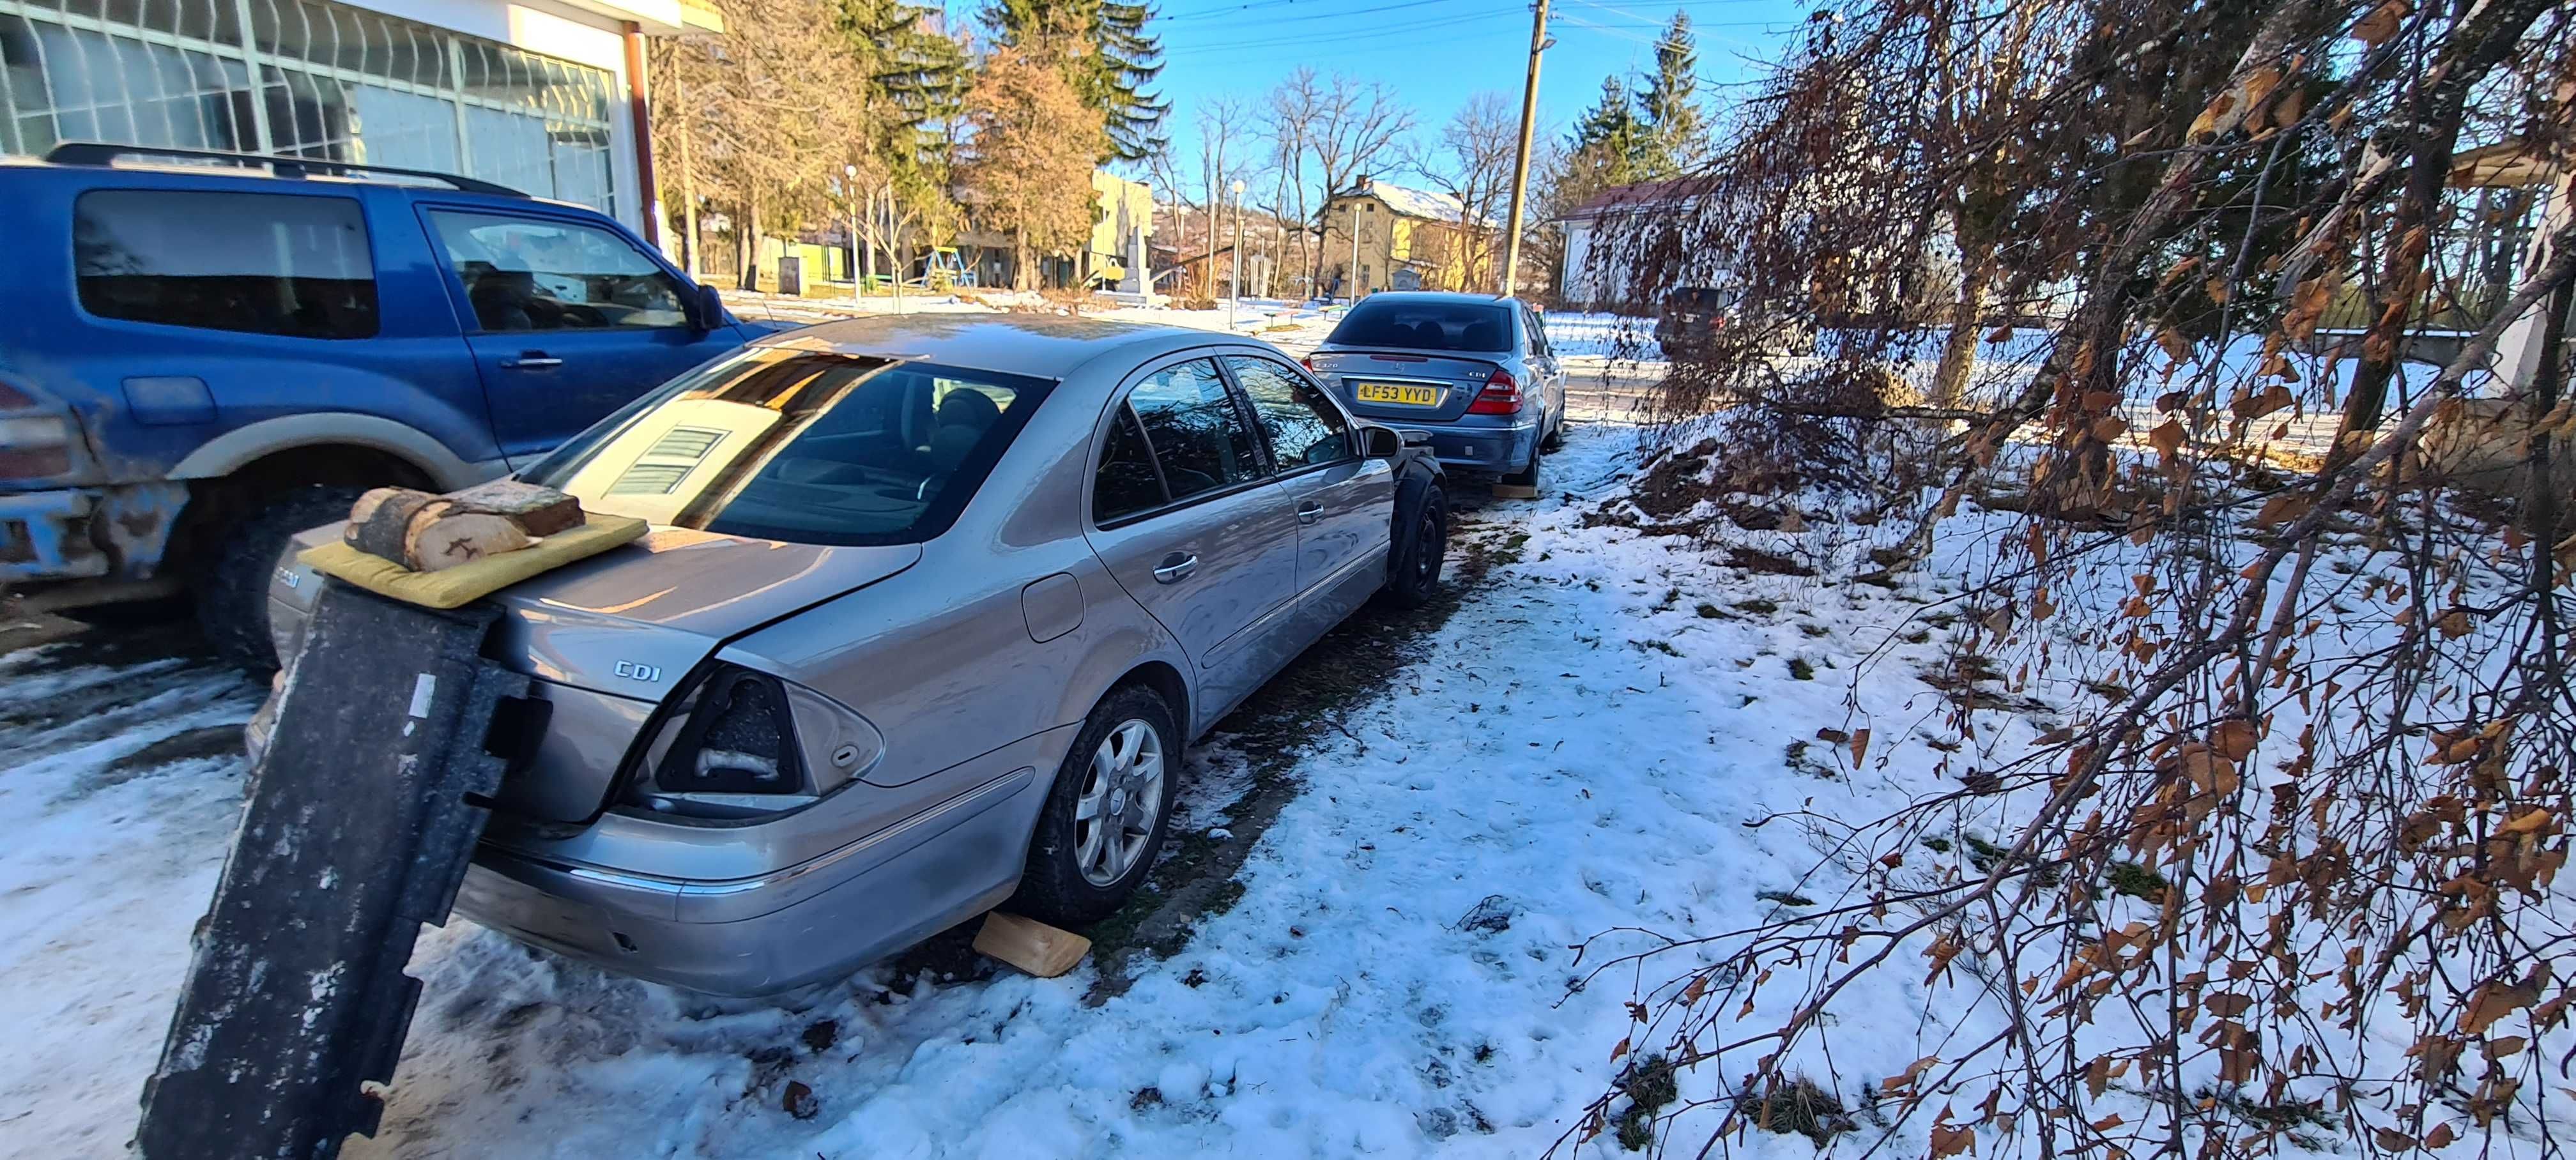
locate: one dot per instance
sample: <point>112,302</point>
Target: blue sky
<point>1438,53</point>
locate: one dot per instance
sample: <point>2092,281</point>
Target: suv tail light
<point>35,443</point>
<point>1501,396</point>
<point>738,744</point>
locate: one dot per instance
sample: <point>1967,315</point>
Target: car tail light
<point>738,743</point>
<point>1501,396</point>
<point>1307,362</point>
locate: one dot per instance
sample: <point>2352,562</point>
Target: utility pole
<point>1520,164</point>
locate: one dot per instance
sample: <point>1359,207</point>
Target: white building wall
<point>2517,359</point>
<point>584,36</point>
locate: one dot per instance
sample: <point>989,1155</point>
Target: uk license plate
<point>1400,394</point>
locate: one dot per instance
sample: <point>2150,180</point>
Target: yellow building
<point>1404,239</point>
<point>1123,218</point>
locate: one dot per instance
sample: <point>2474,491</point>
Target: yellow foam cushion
<point>465,583</point>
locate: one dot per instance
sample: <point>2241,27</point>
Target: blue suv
<point>202,354</point>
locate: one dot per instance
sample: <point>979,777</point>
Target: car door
<point>1187,518</point>
<point>1342,500</point>
<point>568,319</point>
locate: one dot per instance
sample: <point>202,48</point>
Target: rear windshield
<point>806,448</point>
<point>1421,325</point>
<point>1702,298</point>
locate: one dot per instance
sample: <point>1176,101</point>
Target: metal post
<point>1520,163</point>
<point>850,187</point>
<point>640,125</point>
<point>1234,264</point>
<point>1355,251</point>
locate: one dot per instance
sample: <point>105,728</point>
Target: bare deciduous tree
<point>1348,127</point>
<point>1472,161</point>
<point>2284,869</point>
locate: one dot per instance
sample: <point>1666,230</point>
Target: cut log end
<point>1030,945</point>
<point>447,540</point>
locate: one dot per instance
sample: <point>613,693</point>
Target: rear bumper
<point>1495,449</point>
<point>805,924</point>
<point>106,534</point>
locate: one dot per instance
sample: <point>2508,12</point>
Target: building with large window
<point>540,95</point>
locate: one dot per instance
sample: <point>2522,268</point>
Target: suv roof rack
<point>104,153</point>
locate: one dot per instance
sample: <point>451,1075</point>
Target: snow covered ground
<point>1579,752</point>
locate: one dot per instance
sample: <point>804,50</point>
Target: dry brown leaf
<point>2382,23</point>
<point>2234,740</point>
<point>2167,438</point>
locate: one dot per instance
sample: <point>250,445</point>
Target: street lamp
<point>1234,268</point>
<point>850,185</point>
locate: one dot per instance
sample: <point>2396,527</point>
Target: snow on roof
<point>1644,195</point>
<point>1419,203</point>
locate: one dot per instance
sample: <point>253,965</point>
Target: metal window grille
<point>306,78</point>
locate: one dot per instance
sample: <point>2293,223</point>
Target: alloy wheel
<point>1122,799</point>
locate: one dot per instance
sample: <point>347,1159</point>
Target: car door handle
<point>1309,511</point>
<point>531,360</point>
<point>1175,568</point>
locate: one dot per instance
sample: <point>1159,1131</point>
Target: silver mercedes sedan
<point>929,609</point>
<point>1470,375</point>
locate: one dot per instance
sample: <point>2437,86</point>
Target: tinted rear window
<point>805,448</point>
<point>1421,325</point>
<point>263,263</point>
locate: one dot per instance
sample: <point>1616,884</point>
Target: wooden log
<point>443,538</point>
<point>379,523</point>
<point>540,511</point>
<point>1030,945</point>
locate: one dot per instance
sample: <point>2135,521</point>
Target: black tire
<point>1421,542</point>
<point>232,597</point>
<point>1054,888</point>
<point>1555,440</point>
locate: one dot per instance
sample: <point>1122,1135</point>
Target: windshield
<point>807,448</point>
<point>1426,325</point>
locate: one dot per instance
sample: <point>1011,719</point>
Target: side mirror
<point>1382,442</point>
<point>706,311</point>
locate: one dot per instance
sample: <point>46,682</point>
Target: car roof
<point>1049,346</point>
<point>1455,296</point>
<point>141,172</point>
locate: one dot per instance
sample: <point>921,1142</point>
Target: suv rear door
<point>200,304</point>
<point>567,316</point>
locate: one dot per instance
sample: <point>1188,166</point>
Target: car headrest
<point>963,408</point>
<point>1484,336</point>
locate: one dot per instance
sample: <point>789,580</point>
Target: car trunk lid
<point>632,622</point>
<point>1455,378</point>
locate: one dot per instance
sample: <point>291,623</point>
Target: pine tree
<point>1609,139</point>
<point>1672,133</point>
<point>1115,61</point>
<point>917,71</point>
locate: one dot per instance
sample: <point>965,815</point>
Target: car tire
<point>1420,545</point>
<point>232,600</point>
<point>1555,440</point>
<point>1068,882</point>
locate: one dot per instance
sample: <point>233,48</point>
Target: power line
<point>1239,9</point>
<point>1328,37</point>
